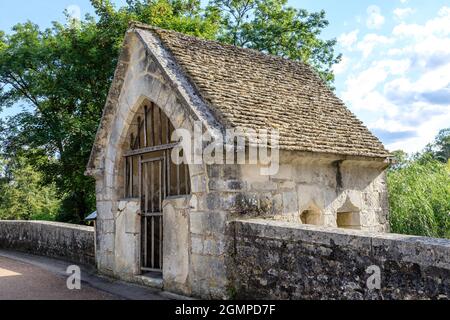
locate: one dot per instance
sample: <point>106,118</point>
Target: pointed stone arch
<point>140,79</point>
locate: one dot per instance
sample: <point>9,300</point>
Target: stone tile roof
<point>245,88</point>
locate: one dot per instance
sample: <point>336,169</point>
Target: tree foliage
<point>22,195</point>
<point>271,26</point>
<point>63,75</point>
<point>440,149</point>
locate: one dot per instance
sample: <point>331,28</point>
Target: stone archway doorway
<point>152,176</point>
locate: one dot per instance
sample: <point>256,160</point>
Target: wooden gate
<point>151,176</point>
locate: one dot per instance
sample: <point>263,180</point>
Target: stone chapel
<point>165,224</point>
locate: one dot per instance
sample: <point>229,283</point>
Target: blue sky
<point>395,74</point>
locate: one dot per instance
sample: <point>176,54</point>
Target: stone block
<point>214,247</point>
<point>176,247</point>
<point>197,244</point>
<point>104,210</point>
<point>290,203</point>
<point>208,223</point>
<point>264,186</point>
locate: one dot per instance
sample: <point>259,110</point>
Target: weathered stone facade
<point>306,184</point>
<point>277,260</point>
<point>313,188</point>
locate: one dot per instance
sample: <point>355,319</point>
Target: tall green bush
<point>419,192</point>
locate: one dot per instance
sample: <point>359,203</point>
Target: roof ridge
<point>144,26</point>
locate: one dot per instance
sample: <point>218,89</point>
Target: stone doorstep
<point>150,280</point>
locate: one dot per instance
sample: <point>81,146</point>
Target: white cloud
<point>370,41</point>
<point>405,83</point>
<point>439,26</point>
<point>347,40</point>
<point>342,66</point>
<point>361,91</point>
<point>374,17</point>
<point>425,134</point>
<point>402,13</point>
<point>403,1</point>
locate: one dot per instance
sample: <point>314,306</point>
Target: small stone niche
<point>348,216</point>
<point>349,220</point>
<point>311,216</point>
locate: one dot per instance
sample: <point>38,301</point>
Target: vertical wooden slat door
<point>151,176</point>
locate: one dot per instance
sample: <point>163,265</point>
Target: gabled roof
<point>250,89</point>
<point>233,87</point>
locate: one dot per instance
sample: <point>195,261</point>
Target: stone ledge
<point>50,223</point>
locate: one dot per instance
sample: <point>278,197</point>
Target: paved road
<point>29,277</point>
<point>22,281</point>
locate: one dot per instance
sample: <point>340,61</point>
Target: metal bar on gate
<point>160,185</point>
<point>150,269</point>
<point>160,241</point>
<point>140,180</point>
<point>161,126</point>
<point>153,241</point>
<point>164,177</point>
<point>146,187</point>
<point>153,124</point>
<point>155,214</point>
<point>145,126</point>
<point>138,138</point>
<point>168,130</point>
<point>145,242</point>
<point>152,160</point>
<point>137,152</point>
<point>169,174</point>
<point>151,187</point>
<point>131,177</point>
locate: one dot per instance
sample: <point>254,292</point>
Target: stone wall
<point>277,260</point>
<point>326,186</point>
<point>58,240</point>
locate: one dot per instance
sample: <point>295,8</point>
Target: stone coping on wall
<point>69,242</point>
<point>50,223</point>
<point>413,249</point>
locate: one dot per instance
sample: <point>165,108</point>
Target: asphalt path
<point>22,281</point>
<point>29,277</point>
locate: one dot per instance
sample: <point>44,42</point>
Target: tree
<point>440,148</point>
<point>63,74</point>
<point>22,195</point>
<point>273,27</point>
<point>400,159</point>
